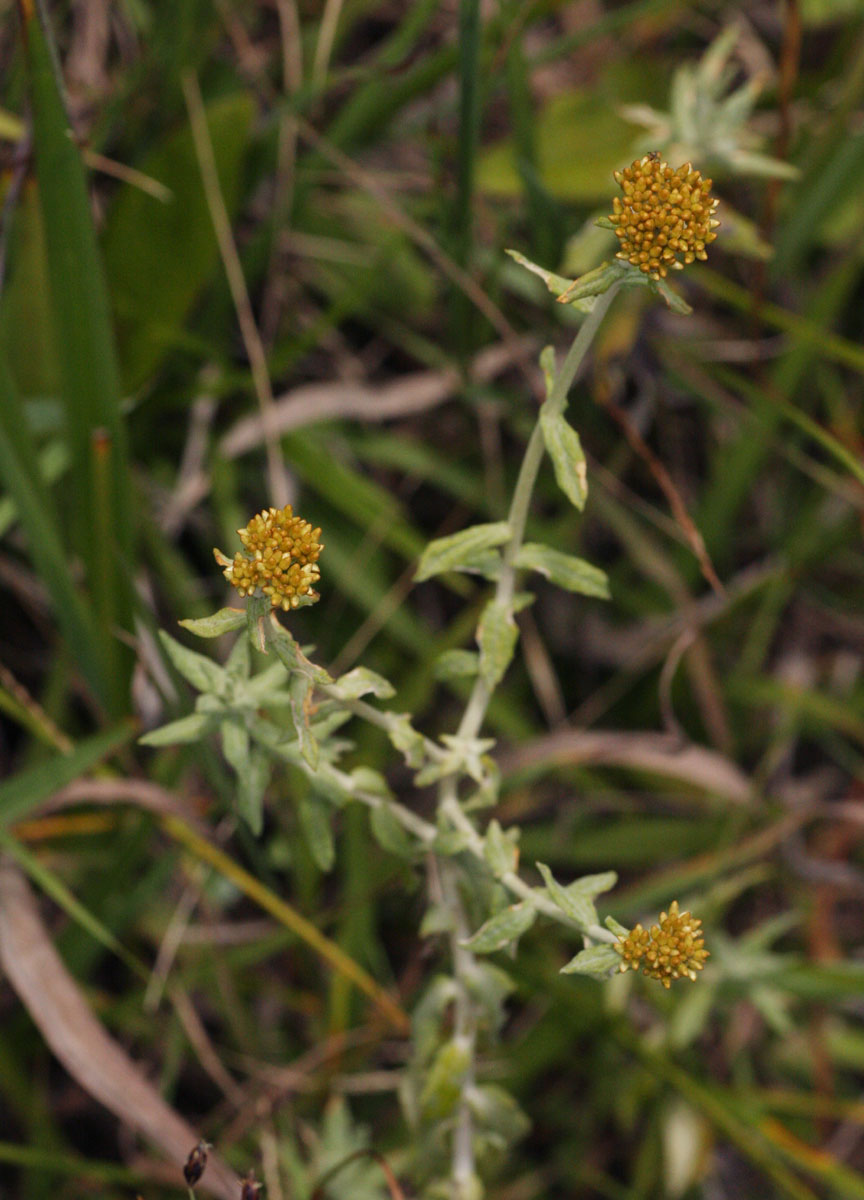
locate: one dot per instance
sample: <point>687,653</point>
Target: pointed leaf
<point>497,635</point>
<point>567,456</point>
<point>316,824</point>
<point>224,621</point>
<point>201,672</point>
<point>391,834</point>
<point>187,729</point>
<point>456,664</point>
<point>252,784</point>
<point>466,550</point>
<point>502,929</point>
<point>568,571</point>
<point>499,849</point>
<point>596,961</point>
<point>578,908</point>
<point>360,682</point>
<point>406,739</point>
<point>299,689</point>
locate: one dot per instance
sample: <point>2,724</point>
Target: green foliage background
<point>374,172</point>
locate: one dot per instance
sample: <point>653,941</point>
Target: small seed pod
<point>251,1189</point>
<point>195,1163</point>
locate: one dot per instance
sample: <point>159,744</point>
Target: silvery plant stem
<point>465,1016</point>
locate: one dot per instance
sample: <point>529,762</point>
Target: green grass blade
<point>20,474</point>
<point>20,795</point>
<point>101,518</point>
<point>51,883</point>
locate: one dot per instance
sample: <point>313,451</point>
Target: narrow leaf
<point>314,815</point>
<point>568,571</point>
<point>187,729</point>
<point>596,961</point>
<point>360,682</point>
<point>496,636</point>
<point>101,515</point>
<point>300,688</point>
<point>578,908</point>
<point>463,551</point>
<point>499,850</point>
<point>201,672</point>
<point>502,929</point>
<point>456,664</point>
<point>391,834</point>
<point>567,456</point>
<point>224,621</point>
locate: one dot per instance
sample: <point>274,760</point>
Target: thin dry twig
<point>406,396</point>
<point>656,753</point>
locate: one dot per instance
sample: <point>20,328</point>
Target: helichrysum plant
<point>708,117</point>
<point>291,711</point>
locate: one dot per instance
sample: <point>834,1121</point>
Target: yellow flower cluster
<point>667,951</point>
<point>666,217</point>
<point>280,559</point>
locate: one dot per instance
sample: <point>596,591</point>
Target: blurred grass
<point>487,128</point>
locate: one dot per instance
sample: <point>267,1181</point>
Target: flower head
<point>666,216</point>
<point>279,559</point>
<point>667,951</point>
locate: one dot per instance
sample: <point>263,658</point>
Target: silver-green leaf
<point>186,729</point>
<point>596,961</point>
<point>578,907</point>
<point>568,571</point>
<point>567,456</point>
<point>467,550</point>
<point>361,682</point>
<point>226,620</point>
<point>502,929</point>
<point>201,672</point>
<point>497,635</point>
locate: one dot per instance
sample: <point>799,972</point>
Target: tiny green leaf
<point>360,682</point>
<point>497,635</point>
<point>252,783</point>
<point>406,739</point>
<point>555,283</point>
<point>186,729</point>
<point>390,834</point>
<point>201,672</point>
<point>314,815</point>
<point>567,456</point>
<point>289,652</point>
<point>443,1086</point>
<point>568,571</point>
<point>299,689</point>
<point>596,961</point>
<point>235,744</point>
<point>467,550</point>
<point>456,664</point>
<point>594,885</point>
<point>499,849</point>
<point>224,621</point>
<point>502,929</point>
<point>578,908</point>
